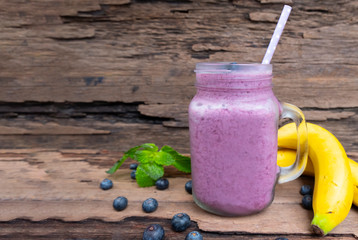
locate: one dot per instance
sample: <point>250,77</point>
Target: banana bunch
<point>335,185</point>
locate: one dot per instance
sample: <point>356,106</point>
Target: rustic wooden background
<point>83,80</point>
<point>111,74</point>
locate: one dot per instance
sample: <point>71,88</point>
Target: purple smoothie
<point>233,122</point>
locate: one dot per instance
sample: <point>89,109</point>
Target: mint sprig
<point>152,162</point>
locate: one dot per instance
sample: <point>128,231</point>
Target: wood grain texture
<point>145,51</point>
<point>129,228</point>
<point>119,131</point>
<point>138,58</point>
<point>112,74</point>
<point>38,185</point>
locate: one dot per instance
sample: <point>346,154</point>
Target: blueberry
<point>194,235</point>
<point>180,222</point>
<point>188,187</point>
<point>162,184</point>
<point>120,203</point>
<point>306,189</point>
<point>281,238</point>
<point>133,174</point>
<point>307,202</point>
<point>133,166</point>
<point>106,184</point>
<point>150,205</point>
<point>153,232</point>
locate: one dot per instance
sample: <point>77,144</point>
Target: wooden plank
<point>180,113</point>
<point>87,51</point>
<point>140,56</point>
<point>49,128</point>
<point>64,185</point>
<point>118,133</point>
<point>130,228</point>
<point>109,133</point>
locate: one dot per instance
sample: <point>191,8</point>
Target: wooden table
<point>55,194</point>
<point>113,74</point>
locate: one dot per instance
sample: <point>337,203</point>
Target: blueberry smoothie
<point>233,122</point>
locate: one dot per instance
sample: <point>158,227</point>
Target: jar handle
<point>296,169</point>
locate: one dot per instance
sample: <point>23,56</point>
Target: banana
<point>286,157</point>
<point>354,170</point>
<point>333,190</point>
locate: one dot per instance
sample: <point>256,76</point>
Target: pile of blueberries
<point>180,222</point>
<point>306,191</point>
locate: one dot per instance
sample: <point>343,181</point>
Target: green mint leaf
<point>143,179</point>
<point>151,162</point>
<point>144,156</point>
<point>163,158</point>
<point>117,164</point>
<point>150,147</point>
<point>146,146</point>
<point>182,163</point>
<point>130,154</point>
<point>153,170</point>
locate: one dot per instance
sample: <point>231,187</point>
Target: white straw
<point>277,34</point>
